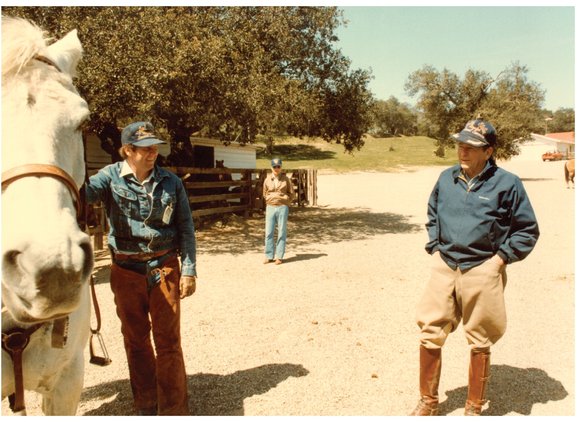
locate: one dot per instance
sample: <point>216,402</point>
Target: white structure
<point>533,150</point>
<point>234,155</point>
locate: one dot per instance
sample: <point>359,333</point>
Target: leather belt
<point>141,257</point>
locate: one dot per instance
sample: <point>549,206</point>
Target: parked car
<point>553,156</point>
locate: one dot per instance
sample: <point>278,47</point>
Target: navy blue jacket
<point>469,225</point>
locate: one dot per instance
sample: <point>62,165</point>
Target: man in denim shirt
<point>150,225</point>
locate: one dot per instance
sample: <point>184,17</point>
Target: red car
<point>553,156</point>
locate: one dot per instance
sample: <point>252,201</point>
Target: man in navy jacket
<point>480,220</point>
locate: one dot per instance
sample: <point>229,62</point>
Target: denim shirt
<point>137,219</point>
<point>471,222</point>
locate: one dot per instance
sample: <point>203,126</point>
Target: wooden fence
<point>213,191</point>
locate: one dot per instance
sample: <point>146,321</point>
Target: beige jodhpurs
<point>475,297</point>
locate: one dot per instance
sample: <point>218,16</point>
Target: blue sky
<point>394,41</point>
<point>393,38</point>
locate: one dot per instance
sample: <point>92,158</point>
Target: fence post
<point>247,177</point>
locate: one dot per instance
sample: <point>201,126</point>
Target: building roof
<point>211,142</point>
<point>565,137</point>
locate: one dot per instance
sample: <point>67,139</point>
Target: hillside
<point>378,154</point>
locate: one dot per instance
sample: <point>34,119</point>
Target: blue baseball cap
<point>477,133</point>
<point>276,162</point>
<point>140,134</point>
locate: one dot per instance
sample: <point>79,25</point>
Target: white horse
<point>46,259</point>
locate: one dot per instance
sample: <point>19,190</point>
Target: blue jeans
<point>275,214</point>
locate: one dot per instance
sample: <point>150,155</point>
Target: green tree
<point>563,120</point>
<point>231,72</point>
<point>393,118</point>
<point>509,101</point>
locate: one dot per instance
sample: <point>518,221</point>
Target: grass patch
<point>377,154</point>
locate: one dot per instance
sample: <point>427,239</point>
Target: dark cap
<point>477,133</point>
<point>140,134</point>
<point>276,162</point>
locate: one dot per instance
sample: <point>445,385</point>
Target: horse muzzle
<point>38,287</point>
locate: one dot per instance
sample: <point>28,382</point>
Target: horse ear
<point>66,52</point>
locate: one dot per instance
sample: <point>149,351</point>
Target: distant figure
<point>570,172</point>
<point>278,193</point>
<point>480,220</point>
<point>220,164</point>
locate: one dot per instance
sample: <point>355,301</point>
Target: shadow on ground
<point>209,394</point>
<point>298,152</point>
<point>510,390</point>
<point>304,257</point>
<point>536,179</point>
<point>305,226</point>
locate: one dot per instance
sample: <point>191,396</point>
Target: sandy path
<point>332,331</point>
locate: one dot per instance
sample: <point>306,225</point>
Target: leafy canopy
<point>229,72</point>
<point>509,101</point>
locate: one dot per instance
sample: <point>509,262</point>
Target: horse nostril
<point>11,264</point>
<point>10,258</point>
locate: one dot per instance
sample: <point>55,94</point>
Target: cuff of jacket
<point>503,256</point>
<point>188,270</point>
<point>431,249</point>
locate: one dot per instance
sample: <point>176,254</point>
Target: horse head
<point>46,258</point>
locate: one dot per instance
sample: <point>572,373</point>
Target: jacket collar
<point>488,171</point>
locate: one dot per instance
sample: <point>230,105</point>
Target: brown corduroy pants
<point>156,379</point>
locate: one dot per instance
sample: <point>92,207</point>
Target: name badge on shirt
<point>167,214</point>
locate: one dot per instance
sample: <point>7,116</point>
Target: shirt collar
<point>126,170</point>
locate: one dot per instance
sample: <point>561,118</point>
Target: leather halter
<point>44,170</point>
<point>48,61</point>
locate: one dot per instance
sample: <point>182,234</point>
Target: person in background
<point>480,220</point>
<point>278,193</point>
<point>151,227</point>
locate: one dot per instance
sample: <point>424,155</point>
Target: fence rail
<point>213,191</point>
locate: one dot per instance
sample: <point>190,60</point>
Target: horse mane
<point>21,41</point>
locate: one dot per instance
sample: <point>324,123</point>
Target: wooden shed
<point>95,156</point>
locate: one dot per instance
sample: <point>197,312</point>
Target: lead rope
<point>93,358</point>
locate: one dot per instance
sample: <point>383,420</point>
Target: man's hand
<point>498,260</point>
<point>187,286</point>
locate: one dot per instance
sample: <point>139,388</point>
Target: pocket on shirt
<point>125,199</point>
<point>166,202</point>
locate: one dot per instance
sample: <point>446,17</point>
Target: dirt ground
<point>332,331</point>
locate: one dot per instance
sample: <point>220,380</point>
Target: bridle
<point>44,170</point>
